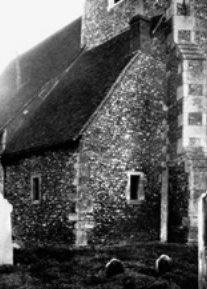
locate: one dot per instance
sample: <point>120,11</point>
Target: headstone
<point>6,248</point>
<point>84,203</point>
<point>114,267</point>
<point>163,264</point>
<point>164,205</point>
<point>202,242</point>
<point>81,236</point>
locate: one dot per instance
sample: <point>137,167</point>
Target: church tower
<point>104,19</point>
<point>187,117</point>
<point>185,167</point>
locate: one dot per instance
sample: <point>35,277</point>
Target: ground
<point>52,267</point>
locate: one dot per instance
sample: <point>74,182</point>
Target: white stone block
<point>195,104</point>
<point>185,65</point>
<point>81,238</point>
<point>202,260</point>
<point>185,89</point>
<point>6,246</point>
<point>184,23</point>
<point>16,246</point>
<point>73,217</point>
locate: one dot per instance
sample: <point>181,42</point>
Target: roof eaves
<point>41,148</point>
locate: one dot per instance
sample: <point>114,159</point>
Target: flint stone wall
<point>46,222</point>
<point>124,136</point>
<point>100,23</point>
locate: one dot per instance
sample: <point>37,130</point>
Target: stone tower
<point>185,169</point>
<point>187,116</point>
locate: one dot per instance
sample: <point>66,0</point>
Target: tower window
<point>36,189</point>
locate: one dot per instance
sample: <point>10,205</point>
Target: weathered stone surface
<point>183,65</point>
<point>178,202</point>
<point>125,136</point>
<point>202,241</point>
<point>46,222</point>
<point>101,23</point>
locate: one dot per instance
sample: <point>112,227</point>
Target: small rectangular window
<point>36,189</point>
<point>135,188</point>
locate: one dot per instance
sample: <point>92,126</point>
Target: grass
<point>65,268</point>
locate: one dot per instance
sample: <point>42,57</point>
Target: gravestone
<point>84,202</point>
<point>163,264</point>
<point>6,248</point>
<point>202,242</point>
<point>114,267</point>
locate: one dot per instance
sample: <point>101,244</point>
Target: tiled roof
<point>57,112</point>
<point>37,66</point>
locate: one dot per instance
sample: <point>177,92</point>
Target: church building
<point>104,126</point>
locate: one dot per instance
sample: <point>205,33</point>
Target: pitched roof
<point>69,95</point>
<point>37,66</point>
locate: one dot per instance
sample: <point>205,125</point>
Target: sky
<point>25,23</point>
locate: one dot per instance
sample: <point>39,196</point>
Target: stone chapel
<point>104,126</point>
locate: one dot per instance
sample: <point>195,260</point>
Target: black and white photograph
<point>103,144</point>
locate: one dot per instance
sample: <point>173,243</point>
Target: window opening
<point>36,195</point>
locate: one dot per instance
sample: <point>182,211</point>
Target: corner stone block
<point>180,146</point>
<point>180,92</point>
